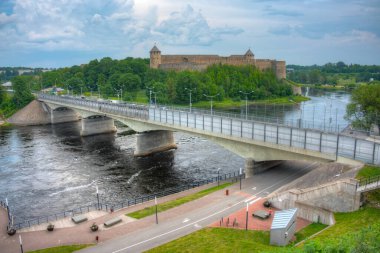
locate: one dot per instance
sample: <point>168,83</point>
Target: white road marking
<point>250,203</point>
<point>185,220</point>
<point>254,188</point>
<point>247,200</point>
<point>202,219</point>
<point>197,226</point>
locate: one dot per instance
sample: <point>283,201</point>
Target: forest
<point>127,77</point>
<point>332,73</point>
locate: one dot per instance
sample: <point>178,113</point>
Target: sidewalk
<point>81,233</point>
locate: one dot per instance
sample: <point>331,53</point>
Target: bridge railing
<point>233,176</point>
<point>124,109</point>
<point>309,139</point>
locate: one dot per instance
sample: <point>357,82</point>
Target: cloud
<point>281,12</point>
<point>189,27</point>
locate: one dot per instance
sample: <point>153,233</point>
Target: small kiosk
<point>283,227</point>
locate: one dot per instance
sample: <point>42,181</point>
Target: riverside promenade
<point>140,235</point>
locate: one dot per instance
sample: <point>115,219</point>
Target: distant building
<point>200,62</point>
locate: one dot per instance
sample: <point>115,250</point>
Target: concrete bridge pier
<point>62,115</point>
<point>151,142</point>
<point>97,125</point>
<point>253,168</point>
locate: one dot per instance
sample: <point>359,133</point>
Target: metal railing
<point>369,180</point>
<point>234,176</point>
<point>324,142</point>
<point>310,139</point>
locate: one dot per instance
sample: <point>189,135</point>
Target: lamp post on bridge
<point>150,94</point>
<point>155,97</point>
<point>190,90</point>
<point>211,98</point>
<point>246,101</point>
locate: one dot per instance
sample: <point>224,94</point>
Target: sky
<point>59,33</point>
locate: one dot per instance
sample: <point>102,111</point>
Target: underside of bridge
<point>62,115</point>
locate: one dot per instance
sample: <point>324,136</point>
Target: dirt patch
<point>35,113</point>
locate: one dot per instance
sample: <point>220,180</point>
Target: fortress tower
<point>155,57</point>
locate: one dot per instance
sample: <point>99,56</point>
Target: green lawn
<point>368,171</point>
<point>219,240</point>
<point>177,202</point>
<point>61,249</point>
<point>348,227</point>
<point>309,231</point>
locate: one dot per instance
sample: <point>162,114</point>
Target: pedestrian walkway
<point>34,238</point>
<point>173,223</point>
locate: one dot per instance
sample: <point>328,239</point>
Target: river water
<point>48,169</point>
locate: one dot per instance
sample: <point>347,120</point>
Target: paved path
<point>144,234</point>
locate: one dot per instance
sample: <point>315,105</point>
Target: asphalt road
<point>198,215</point>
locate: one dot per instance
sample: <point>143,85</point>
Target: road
<point>195,215</point>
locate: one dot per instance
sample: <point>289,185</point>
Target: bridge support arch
<point>97,124</point>
<point>151,142</point>
<point>62,115</point>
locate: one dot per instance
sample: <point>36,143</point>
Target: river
<point>48,169</point>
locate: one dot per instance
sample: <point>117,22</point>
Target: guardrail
<point>305,138</point>
<point>123,204</point>
<point>369,180</point>
<point>309,139</point>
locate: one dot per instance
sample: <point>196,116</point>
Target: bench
<point>79,218</point>
<point>261,214</point>
<point>112,222</point>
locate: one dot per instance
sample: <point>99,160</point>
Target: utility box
<point>283,227</point>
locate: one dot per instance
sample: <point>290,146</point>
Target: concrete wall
<point>148,143</point>
<point>338,196</point>
<point>97,125</point>
<point>314,214</point>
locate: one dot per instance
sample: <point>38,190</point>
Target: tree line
<point>330,73</point>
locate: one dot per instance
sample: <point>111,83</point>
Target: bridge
<point>252,140</point>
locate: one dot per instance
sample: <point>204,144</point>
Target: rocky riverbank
<point>32,114</point>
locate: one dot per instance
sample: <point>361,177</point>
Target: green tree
<point>364,109</point>
<point>22,94</point>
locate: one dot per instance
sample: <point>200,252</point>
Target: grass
<point>219,240</point>
<point>177,202</point>
<point>62,249</point>
<point>368,171</point>
<point>309,231</point>
<point>349,223</point>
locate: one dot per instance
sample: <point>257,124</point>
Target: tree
<point>22,94</point>
<point>364,109</point>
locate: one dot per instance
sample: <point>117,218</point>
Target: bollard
<point>97,238</point>
<point>227,192</point>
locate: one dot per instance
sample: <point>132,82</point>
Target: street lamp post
<point>190,90</point>
<point>211,98</point>
<point>150,94</point>
<point>97,196</point>
<point>155,98</point>
<point>240,173</point>
<point>155,202</point>
<point>22,250</point>
<point>246,102</point>
<point>81,91</point>
<point>246,219</point>
<point>218,175</point>
<point>98,92</point>
<point>9,215</point>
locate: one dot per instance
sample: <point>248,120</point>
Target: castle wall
<point>200,62</point>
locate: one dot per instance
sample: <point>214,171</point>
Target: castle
<point>200,62</point>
